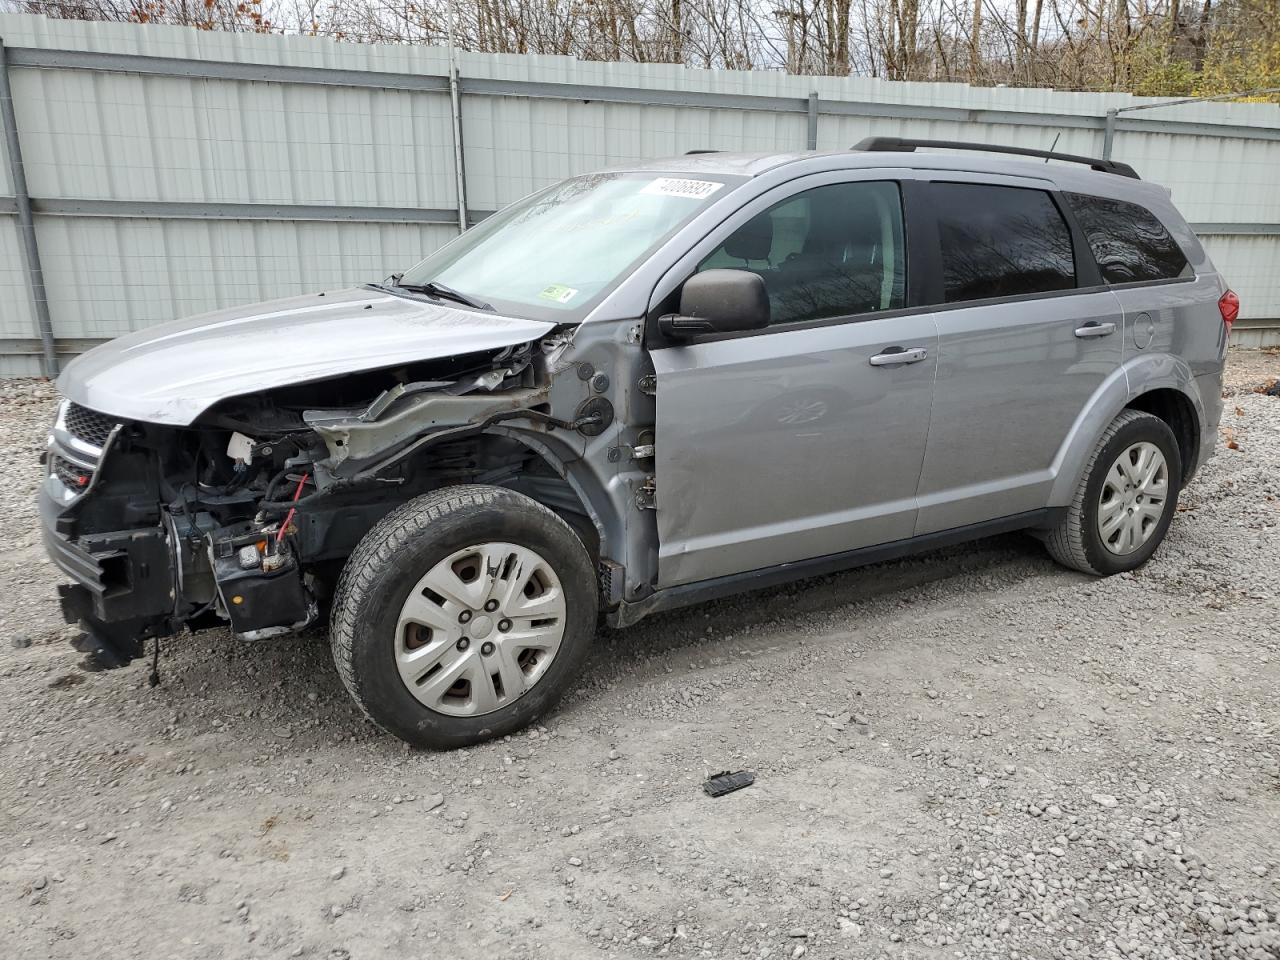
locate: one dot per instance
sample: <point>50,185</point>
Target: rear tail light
<point>1229,307</point>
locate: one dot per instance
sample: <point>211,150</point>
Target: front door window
<point>833,251</point>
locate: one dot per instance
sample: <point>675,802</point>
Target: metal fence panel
<point>1252,267</point>
<point>16,319</point>
<point>116,275</point>
<point>121,136</point>
<point>174,171</point>
<point>515,145</point>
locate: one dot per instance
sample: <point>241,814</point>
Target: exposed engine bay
<point>246,516</point>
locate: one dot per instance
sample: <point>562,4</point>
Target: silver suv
<point>638,389</point>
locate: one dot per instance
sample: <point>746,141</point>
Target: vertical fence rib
<point>26,226</point>
<point>812,136</point>
<point>455,109</point>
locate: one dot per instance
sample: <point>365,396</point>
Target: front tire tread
<point>375,560</point>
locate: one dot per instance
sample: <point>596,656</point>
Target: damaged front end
<point>245,517</point>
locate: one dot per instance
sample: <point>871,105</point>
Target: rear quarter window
<point>1130,244</point>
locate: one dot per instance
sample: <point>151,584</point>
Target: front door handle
<point>1095,329</point>
<point>896,355</point>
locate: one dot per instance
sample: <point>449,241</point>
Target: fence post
<point>813,121</point>
<point>455,109</point>
<point>1109,133</point>
<point>26,226</point>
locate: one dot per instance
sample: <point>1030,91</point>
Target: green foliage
<point>1240,63</point>
<point>1155,72</point>
<point>1236,49</point>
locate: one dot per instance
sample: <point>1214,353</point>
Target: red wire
<point>288,518</point>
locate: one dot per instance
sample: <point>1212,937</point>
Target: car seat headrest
<point>753,240</point>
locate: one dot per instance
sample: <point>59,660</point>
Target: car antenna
<point>1056,138</point>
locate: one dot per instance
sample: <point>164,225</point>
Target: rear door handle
<point>896,355</point>
<point>1095,329</point>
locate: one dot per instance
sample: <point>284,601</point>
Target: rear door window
<point>1000,242</point>
<point>1129,243</point>
<point>833,251</point>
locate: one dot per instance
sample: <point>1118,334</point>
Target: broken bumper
<point>117,578</point>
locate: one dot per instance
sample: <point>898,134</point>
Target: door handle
<point>898,355</point>
<point>1095,329</point>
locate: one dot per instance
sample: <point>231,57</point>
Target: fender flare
<point>1153,372</point>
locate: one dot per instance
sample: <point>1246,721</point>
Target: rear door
<point>1027,335</point>
<point>803,439</point>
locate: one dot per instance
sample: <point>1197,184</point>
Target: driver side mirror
<point>718,301</point>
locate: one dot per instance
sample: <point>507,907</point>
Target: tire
<point>490,529</point>
<point>1078,541</point>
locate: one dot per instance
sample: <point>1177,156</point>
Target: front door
<point>806,438</point>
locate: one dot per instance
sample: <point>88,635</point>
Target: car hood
<point>173,372</point>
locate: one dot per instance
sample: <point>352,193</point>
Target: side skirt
<point>685,594</point>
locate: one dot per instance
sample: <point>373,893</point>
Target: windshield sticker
<point>676,187</point>
<point>559,293</point>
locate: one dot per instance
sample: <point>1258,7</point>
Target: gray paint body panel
<point>788,445</point>
<point>1012,380</point>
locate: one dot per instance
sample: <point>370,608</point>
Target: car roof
<point>1067,176</point>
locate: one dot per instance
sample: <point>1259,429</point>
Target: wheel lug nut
<point>486,648</point>
<point>464,616</point>
<point>491,605</point>
<point>504,625</point>
<point>463,643</point>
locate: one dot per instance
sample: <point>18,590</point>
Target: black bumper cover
<point>123,587</point>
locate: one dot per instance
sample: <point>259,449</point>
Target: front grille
<point>73,476</point>
<point>87,425</point>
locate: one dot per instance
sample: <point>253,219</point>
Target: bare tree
<point>1151,46</point>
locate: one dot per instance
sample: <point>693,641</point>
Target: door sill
<point>685,594</point>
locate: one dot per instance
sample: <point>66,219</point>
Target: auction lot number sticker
<point>678,187</point>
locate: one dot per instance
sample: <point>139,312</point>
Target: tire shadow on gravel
<point>650,644</point>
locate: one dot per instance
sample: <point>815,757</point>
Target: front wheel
<point>463,615</point>
<point>1125,501</point>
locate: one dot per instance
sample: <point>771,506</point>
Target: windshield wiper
<point>441,292</point>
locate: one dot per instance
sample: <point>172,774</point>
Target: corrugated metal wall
<point>139,178</point>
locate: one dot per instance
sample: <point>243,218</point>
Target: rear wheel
<point>463,615</point>
<point>1125,501</point>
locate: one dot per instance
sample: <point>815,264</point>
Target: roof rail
<point>896,144</point>
<point>690,153</point>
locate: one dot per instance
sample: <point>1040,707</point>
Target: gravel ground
<point>968,754</point>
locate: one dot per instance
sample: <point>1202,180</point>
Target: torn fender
<point>351,438</point>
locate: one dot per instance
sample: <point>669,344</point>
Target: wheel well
<point>504,462</point>
<point>543,484</point>
<point>1176,410</point>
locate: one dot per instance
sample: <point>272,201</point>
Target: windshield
<point>553,255</point>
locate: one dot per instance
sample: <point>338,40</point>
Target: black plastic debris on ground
<point>719,784</point>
